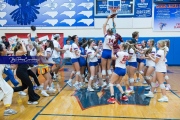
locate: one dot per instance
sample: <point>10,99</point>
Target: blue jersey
<point>82,51</point>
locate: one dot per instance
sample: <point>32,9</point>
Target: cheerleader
<point>6,92</point>
<point>75,61</point>
<point>120,71</point>
<point>106,54</point>
<point>141,60</point>
<point>43,69</point>
<point>92,54</point>
<point>160,71</point>
<point>150,64</point>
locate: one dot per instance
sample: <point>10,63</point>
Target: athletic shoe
<point>86,80</point>
<point>168,87</point>
<point>22,93</point>
<point>76,85</point>
<point>144,82</point>
<point>129,91</point>
<point>104,84</point>
<point>9,112</point>
<point>111,100</point>
<point>69,83</point>
<point>148,88</point>
<point>163,99</point>
<point>124,98</point>
<point>43,92</point>
<point>138,79</point>
<point>35,87</point>
<point>32,102</point>
<point>51,90</point>
<point>107,87</point>
<point>150,94</point>
<point>90,89</point>
<point>95,85</point>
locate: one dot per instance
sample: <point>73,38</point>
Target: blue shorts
<point>57,60</point>
<point>141,60</point>
<point>133,64</point>
<point>106,54</point>
<point>99,61</point>
<point>73,60</point>
<point>82,61</point>
<point>93,63</point>
<point>120,71</point>
<point>32,38</point>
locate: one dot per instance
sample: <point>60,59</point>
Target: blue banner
<point>46,13</point>
<point>23,60</point>
<point>143,8</point>
<point>166,17</point>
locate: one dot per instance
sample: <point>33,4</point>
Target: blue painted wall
<point>173,56</point>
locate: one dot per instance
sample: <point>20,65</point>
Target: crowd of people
<point>97,63</point>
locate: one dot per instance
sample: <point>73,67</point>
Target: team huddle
<point>92,63</point>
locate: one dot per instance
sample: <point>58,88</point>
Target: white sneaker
<point>9,112</point>
<point>107,87</point>
<point>144,82</point>
<point>22,93</point>
<point>86,80</point>
<point>163,99</point>
<point>129,91</point>
<point>95,85</point>
<point>51,90</point>
<point>150,94</point>
<point>148,88</point>
<point>76,85</point>
<point>90,89</point>
<point>138,79</point>
<point>104,84</point>
<point>32,103</point>
<point>43,92</point>
<point>69,83</point>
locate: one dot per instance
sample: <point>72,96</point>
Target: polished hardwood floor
<point>69,104</point>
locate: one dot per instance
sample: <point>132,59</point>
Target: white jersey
<point>149,62</point>
<point>167,50</point>
<point>33,52</point>
<point>49,51</point>
<point>139,55</point>
<point>75,48</point>
<point>109,39</point>
<point>91,55</point>
<point>67,54</point>
<point>56,54</point>
<point>100,52</point>
<point>86,48</point>
<point>133,54</point>
<point>121,59</point>
<point>161,65</point>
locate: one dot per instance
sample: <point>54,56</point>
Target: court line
<point>39,106</point>
<point>89,116</point>
<point>175,93</point>
<point>49,102</point>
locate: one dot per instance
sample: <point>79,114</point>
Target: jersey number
<point>125,58</point>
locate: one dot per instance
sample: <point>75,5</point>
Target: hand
<point>28,35</point>
<point>84,56</point>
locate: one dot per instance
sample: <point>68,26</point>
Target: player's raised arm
<point>105,24</point>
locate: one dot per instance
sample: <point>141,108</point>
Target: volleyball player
<point>160,71</point>
<point>150,64</point>
<point>106,54</point>
<point>93,62</point>
<point>120,71</point>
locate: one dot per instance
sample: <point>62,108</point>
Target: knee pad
<point>91,78</point>
<point>147,77</point>
<point>117,85</point>
<point>110,84</point>
<point>109,72</point>
<point>162,86</point>
<point>103,72</point>
<point>73,72</point>
<point>166,77</point>
<point>153,84</point>
<point>82,75</point>
<point>78,73</point>
<point>141,72</point>
<point>131,80</point>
